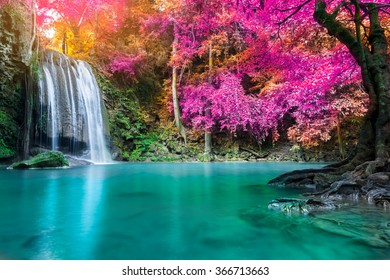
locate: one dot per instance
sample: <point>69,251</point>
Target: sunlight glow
<point>49,33</point>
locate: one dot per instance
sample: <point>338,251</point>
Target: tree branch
<point>336,29</point>
<point>338,8</point>
<point>83,14</point>
<point>297,9</point>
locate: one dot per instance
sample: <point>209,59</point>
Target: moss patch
<point>43,160</point>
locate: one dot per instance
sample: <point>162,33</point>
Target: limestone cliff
<point>16,35</point>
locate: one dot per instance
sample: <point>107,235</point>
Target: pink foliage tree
<point>126,64</point>
<point>297,82</point>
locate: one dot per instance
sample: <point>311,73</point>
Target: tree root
<point>257,155</point>
<point>298,176</point>
<point>367,168</point>
<point>369,180</point>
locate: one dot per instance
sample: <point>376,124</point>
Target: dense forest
<point>113,101</point>
<point>211,80</point>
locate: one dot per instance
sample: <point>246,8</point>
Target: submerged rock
<point>72,161</point>
<point>301,206</point>
<point>46,159</point>
<point>379,196</point>
<point>373,231</point>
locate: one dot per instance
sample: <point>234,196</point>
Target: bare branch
<point>297,9</point>
<point>338,8</point>
<point>83,14</point>
<point>351,13</point>
<point>378,6</point>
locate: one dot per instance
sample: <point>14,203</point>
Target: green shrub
<point>8,129</point>
<point>5,152</point>
<point>126,120</point>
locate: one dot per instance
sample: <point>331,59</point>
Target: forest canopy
<point>267,70</point>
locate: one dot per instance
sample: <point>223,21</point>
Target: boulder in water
<point>43,160</point>
<point>77,161</point>
<point>301,206</point>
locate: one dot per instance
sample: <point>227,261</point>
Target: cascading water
<point>71,111</point>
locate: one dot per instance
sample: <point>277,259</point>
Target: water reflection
<point>92,205</point>
<point>173,211</point>
<point>48,220</point>
<point>60,211</point>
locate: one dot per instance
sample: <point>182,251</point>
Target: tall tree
<point>175,97</point>
<point>358,25</point>
<point>370,50</point>
<point>207,135</point>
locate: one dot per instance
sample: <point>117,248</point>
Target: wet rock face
<point>15,56</point>
<point>15,40</point>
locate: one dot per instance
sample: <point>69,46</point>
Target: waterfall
<point>70,113</point>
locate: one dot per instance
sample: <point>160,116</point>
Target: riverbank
<point>176,151</point>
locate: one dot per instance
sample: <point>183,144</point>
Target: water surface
<point>175,211</point>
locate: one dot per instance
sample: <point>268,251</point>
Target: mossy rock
<point>43,160</point>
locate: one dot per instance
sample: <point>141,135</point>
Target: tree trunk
<point>340,139</point>
<point>373,59</point>
<point>379,74</point>
<point>95,34</point>
<point>207,135</point>
<point>354,177</point>
<point>175,99</point>
<point>77,42</point>
<point>64,44</point>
